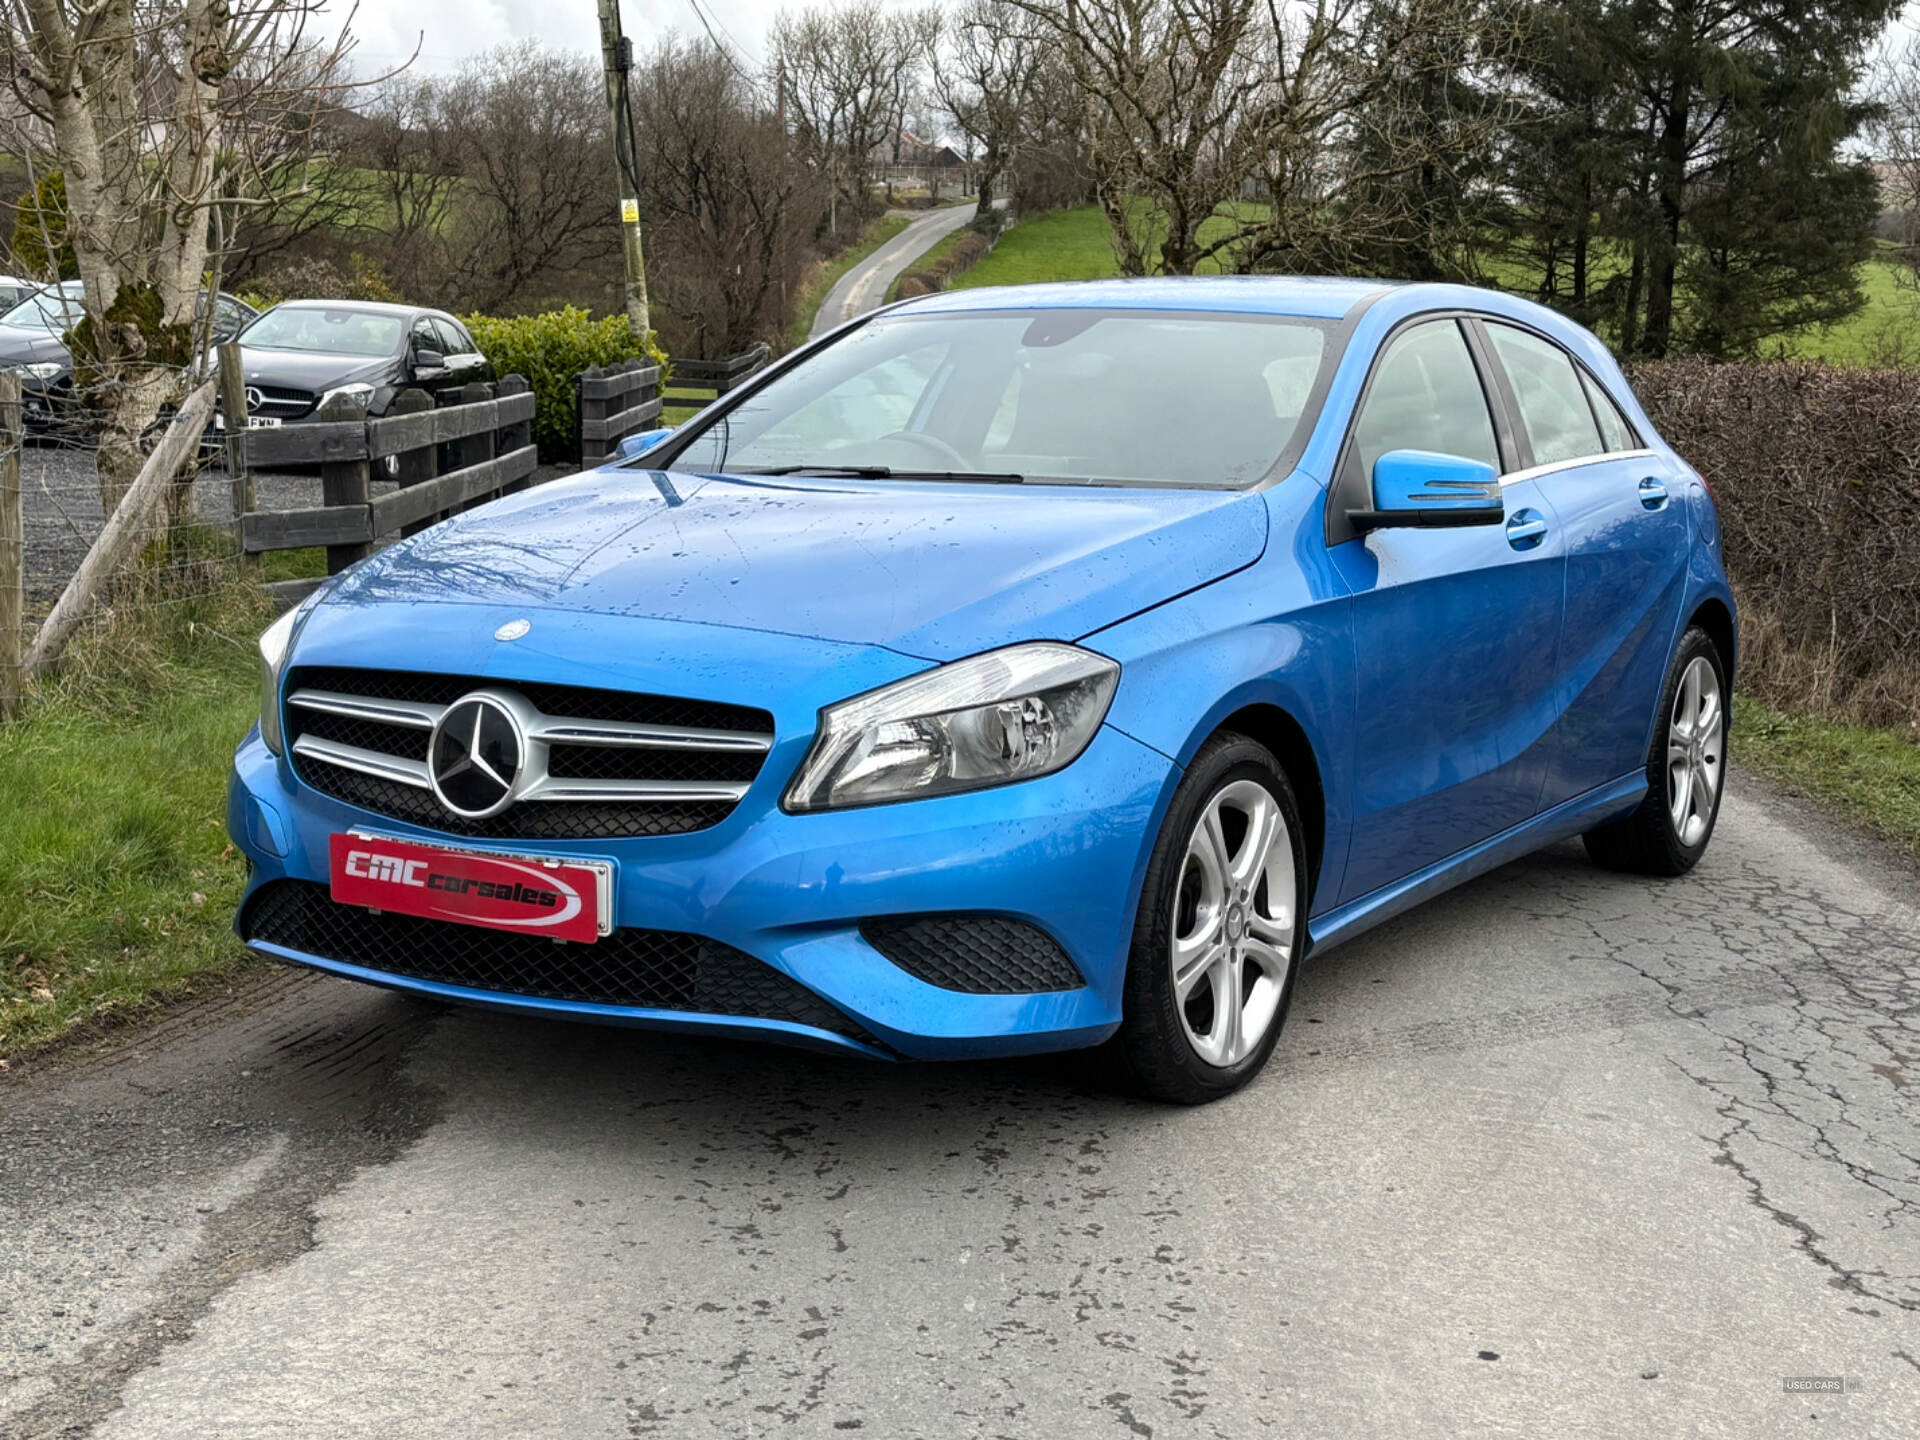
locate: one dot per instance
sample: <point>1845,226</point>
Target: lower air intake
<point>977,954</point>
<point>650,969</point>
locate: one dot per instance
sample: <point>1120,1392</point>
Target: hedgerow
<point>551,350</point>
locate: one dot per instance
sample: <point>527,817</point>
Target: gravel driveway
<point>1564,1153</point>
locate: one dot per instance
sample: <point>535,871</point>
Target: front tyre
<point>1686,771</point>
<point>1220,931</point>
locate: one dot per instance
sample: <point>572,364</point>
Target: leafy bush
<point>40,244</point>
<point>550,350</point>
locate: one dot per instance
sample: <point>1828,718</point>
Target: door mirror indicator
<point>1424,489</point>
<point>426,362</point>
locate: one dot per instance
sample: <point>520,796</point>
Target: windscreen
<point>326,331</point>
<point>57,310</point>
<point>1084,396</point>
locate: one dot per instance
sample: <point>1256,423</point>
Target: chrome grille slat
<point>383,712</point>
<point>661,737</point>
<point>368,762</point>
<point>548,788</point>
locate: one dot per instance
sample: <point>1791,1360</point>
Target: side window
<point>1426,395</point>
<point>1614,428</point>
<point>229,318</point>
<point>453,340</point>
<point>1553,404</point>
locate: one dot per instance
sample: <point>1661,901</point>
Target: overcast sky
<point>448,31</point>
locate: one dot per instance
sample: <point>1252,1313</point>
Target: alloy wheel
<point>1233,923</point>
<point>1696,751</point>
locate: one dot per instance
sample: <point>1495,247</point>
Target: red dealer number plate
<point>560,899</point>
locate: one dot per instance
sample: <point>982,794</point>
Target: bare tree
<point>984,76</point>
<point>535,204</point>
<point>730,210</point>
<point>1895,137</point>
<point>158,113</point>
<point>1234,131</point>
<point>845,76</point>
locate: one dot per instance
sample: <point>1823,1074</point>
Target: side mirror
<point>425,362</point>
<point>1428,490</point>
<point>641,443</point>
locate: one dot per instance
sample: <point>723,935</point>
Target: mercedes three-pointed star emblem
<point>475,756</point>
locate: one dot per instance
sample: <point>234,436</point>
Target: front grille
<point>977,954</point>
<point>686,772</point>
<point>650,969</point>
<point>279,401</point>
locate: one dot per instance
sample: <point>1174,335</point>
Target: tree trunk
<point>1664,262</point>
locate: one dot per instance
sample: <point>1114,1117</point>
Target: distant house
<point>908,162</point>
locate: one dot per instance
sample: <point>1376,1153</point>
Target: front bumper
<point>1064,853</point>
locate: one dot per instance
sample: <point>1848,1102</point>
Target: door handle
<point>1653,493</point>
<point>1526,529</point>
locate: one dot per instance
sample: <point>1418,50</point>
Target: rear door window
<point>1553,403</point>
<point>1614,428</point>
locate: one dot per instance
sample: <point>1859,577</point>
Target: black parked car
<point>32,341</point>
<point>302,353</point>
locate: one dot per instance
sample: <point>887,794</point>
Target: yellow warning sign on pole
<point>629,212</point>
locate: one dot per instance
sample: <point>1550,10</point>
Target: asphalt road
<point>1563,1153</point>
<point>864,287</point>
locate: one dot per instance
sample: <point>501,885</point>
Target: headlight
<point>360,393</point>
<point>1007,715</point>
<point>44,370</point>
<point>273,656</point>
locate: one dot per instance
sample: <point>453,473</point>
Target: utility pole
<point>616,53</point>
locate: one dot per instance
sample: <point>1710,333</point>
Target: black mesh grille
<point>529,820</point>
<point>619,762</point>
<point>366,734</point>
<point>654,969</point>
<point>978,954</point>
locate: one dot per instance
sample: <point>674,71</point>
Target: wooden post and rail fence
<point>446,457</point>
<point>719,376</point>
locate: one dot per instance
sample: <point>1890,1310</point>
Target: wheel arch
<point>1713,616</point>
<point>1286,738</point>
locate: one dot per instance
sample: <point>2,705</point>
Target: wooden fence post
<point>515,433</point>
<point>589,403</point>
<point>233,408</point>
<point>120,537</point>
<point>13,558</point>
<point>345,482</point>
<point>473,449</point>
<point>416,466</point>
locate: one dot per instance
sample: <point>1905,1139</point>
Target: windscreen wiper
<point>887,472</point>
<point>857,472</point>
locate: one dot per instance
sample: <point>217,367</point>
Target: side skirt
<point>1567,819</point>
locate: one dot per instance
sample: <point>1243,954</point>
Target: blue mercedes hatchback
<point>1011,670</point>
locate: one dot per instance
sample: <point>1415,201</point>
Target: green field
<point>1077,245</point>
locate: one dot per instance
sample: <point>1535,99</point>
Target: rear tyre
<point>1686,771</point>
<point>1220,931</point>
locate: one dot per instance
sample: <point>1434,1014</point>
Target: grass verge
<point>1870,776</point>
<point>823,277</point>
<point>117,884</point>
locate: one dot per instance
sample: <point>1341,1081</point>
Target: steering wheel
<point>953,458</point>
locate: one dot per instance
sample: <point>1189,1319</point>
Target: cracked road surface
<point>1563,1153</point>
